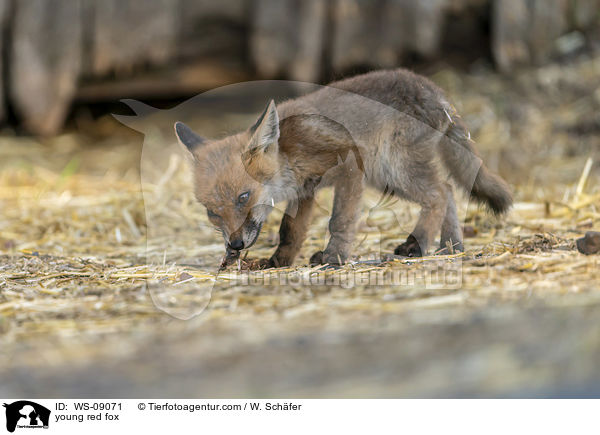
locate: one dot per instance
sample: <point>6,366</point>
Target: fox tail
<point>462,161</point>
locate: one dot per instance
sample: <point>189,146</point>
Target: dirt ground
<point>78,316</point>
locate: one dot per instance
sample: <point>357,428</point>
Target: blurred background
<point>76,317</point>
<point>56,54</point>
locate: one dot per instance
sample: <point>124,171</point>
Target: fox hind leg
<point>451,231</point>
<point>434,204</point>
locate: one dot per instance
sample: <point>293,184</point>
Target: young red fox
<point>387,128</point>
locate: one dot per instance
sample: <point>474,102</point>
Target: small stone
<point>590,243</point>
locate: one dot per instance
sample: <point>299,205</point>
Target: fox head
<point>237,178</point>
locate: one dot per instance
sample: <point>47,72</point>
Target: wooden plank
<point>375,34</point>
<point>355,40</point>
<point>130,33</point>
<point>311,21</point>
<point>548,22</point>
<point>3,23</point>
<point>209,28</point>
<point>172,82</point>
<point>426,17</point>
<point>272,38</point>
<point>45,60</point>
<point>287,38</point>
<point>585,14</point>
<point>524,32</point>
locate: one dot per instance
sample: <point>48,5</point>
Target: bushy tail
<point>461,158</point>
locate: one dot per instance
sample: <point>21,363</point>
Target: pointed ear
<point>187,137</point>
<point>265,132</point>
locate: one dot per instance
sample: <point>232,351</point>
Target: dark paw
<point>410,248</point>
<point>278,262</point>
<point>260,264</point>
<point>266,263</point>
<point>321,257</point>
<point>316,258</point>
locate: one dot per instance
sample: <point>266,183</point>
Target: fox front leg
<point>292,233</point>
<point>342,224</point>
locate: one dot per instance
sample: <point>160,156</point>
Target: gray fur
<point>393,130</point>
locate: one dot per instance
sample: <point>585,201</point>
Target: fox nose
<point>236,244</point>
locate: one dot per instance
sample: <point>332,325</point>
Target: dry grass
<point>81,247</point>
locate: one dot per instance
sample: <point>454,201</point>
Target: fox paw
<point>260,264</point>
<point>278,262</point>
<point>410,248</point>
<point>269,263</point>
<point>321,257</point>
<point>316,258</point>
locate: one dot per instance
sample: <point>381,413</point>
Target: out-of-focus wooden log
<point>287,38</point>
<point>56,49</point>
<point>170,82</point>
<point>356,27</point>
<point>272,37</point>
<point>377,33</point>
<point>548,22</point>
<point>525,32</point>
<point>129,33</point>
<point>585,14</point>
<point>310,41</point>
<point>510,26</point>
<point>3,24</point>
<point>208,28</point>
<point>423,21</point>
<point>45,61</point>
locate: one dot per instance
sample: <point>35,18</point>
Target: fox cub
<point>393,130</point>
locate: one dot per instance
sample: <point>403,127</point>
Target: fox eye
<point>211,214</point>
<point>243,198</point>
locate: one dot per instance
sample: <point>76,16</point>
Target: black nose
<point>236,244</point>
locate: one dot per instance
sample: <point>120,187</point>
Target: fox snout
<point>250,232</point>
<point>240,239</point>
<point>237,244</point>
<point>245,236</point>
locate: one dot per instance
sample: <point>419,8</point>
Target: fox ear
<point>265,132</point>
<point>187,137</point>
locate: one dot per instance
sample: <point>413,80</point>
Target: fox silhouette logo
<point>26,414</point>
